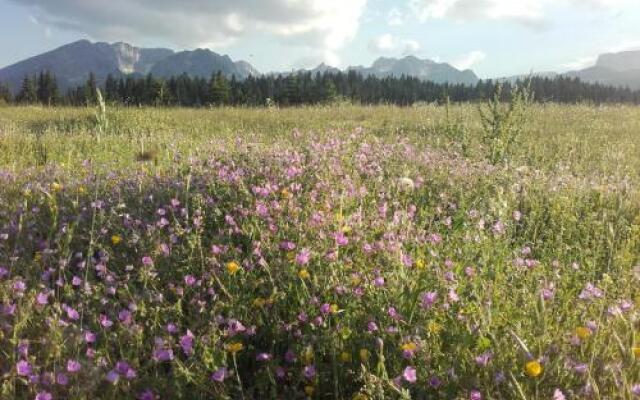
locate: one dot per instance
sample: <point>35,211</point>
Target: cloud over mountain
<point>324,25</point>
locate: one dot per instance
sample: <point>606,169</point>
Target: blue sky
<point>493,37</point>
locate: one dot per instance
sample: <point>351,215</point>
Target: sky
<point>495,38</point>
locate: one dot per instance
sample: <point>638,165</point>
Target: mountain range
<point>72,64</point>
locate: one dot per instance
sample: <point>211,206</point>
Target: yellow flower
<point>38,256</point>
<point>360,396</point>
<point>309,390</point>
<point>259,302</point>
<point>235,347</point>
<point>232,267</point>
<point>285,193</point>
<point>307,356</point>
<point>636,351</point>
<point>56,187</point>
<point>334,309</point>
<point>304,274</point>
<point>583,333</point>
<point>434,327</point>
<point>420,263</point>
<point>116,239</point>
<point>345,357</point>
<point>356,280</point>
<point>365,355</point>
<point>409,346</point>
<point>291,256</point>
<point>82,190</point>
<point>533,368</point>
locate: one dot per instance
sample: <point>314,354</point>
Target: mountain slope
<point>201,63</point>
<point>72,64</point>
<point>616,69</point>
<point>424,69</point>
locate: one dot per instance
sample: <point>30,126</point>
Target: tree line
<point>300,89</point>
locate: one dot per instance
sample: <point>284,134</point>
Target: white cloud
<point>532,13</point>
<point>324,25</point>
<point>580,63</point>
<point>389,44</point>
<point>395,17</point>
<point>469,60</point>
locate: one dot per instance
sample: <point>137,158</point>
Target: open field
<point>328,252</point>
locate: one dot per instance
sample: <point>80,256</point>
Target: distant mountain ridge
<point>615,69</point>
<point>72,63</point>
<point>422,69</point>
<point>426,70</point>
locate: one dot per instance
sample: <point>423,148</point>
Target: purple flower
<point>409,375</point>
<point>407,261</point>
<point>635,389</point>
<point>44,396</point>
<point>186,342</point>
<point>73,366</point>
<point>190,280</point>
<point>23,368</point>
<point>428,299</point>
<point>341,239</point>
<point>290,356</point>
<point>162,355</point>
<point>220,374</point>
<point>263,357</point>
<point>89,337</point>
<point>235,327</point>
<point>475,395</point>
<point>558,395</point>
<point>62,379</point>
<point>372,327</point>
<point>303,257</point>
<point>72,314</point>
<point>309,372</point>
<point>146,395</point>
<point>325,308</point>
<point>483,359</point>
<point>42,298</point>
<point>147,261</point>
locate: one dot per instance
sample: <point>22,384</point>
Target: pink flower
<point>303,257</point>
<point>409,375</point>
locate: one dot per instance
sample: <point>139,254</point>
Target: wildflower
<point>409,375</point>
<point>42,298</point>
<point>583,333</point>
<point>635,389</point>
<point>186,342</point>
<point>162,355</point>
<point>303,257</point>
<point>483,359</point>
<point>44,396</point>
<point>308,389</point>
<point>636,351</point>
<point>147,261</point>
<point>408,349</point>
<point>420,264</point>
<point>345,357</point>
<point>533,368</point>
<point>365,355</point>
<point>406,184</point>
<point>23,368</point>
<point>235,347</point>
<point>309,372</point>
<point>232,267</point>
<point>220,374</point>
<point>73,366</point>
<point>475,395</point>
<point>428,299</point>
<point>558,395</point>
<point>304,274</point>
<point>259,302</point>
<point>116,240</point>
